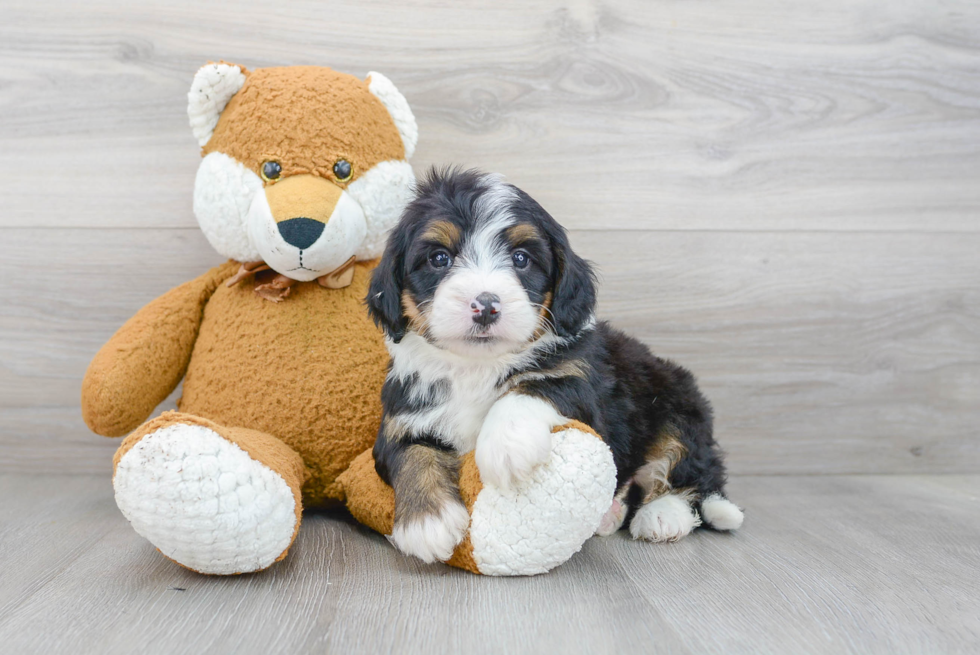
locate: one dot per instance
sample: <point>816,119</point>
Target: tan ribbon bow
<point>277,289</point>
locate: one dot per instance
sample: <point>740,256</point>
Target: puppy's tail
<point>721,513</point>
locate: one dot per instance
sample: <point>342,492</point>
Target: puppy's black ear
<point>574,292</point>
<point>384,299</point>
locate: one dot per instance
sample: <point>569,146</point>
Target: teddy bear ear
<point>397,106</point>
<point>213,87</point>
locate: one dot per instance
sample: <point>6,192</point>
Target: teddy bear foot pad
<point>204,502</point>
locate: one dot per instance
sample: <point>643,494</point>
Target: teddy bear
<point>304,171</point>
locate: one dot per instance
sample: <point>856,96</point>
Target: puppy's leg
<point>430,518</point>
<point>666,514</point>
<point>613,519</point>
<point>721,513</point>
<point>667,518</point>
<point>515,437</point>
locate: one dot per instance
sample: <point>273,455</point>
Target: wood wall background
<point>784,196</point>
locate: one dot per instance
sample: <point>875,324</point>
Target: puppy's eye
<point>440,259</point>
<point>343,170</point>
<point>521,259</point>
<point>271,170</point>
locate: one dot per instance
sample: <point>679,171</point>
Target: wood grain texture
<point>764,115</point>
<point>824,564</point>
<point>782,197</point>
<point>822,352</point>
<point>784,201</point>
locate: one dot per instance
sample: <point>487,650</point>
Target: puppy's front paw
<point>515,438</point>
<point>433,537</point>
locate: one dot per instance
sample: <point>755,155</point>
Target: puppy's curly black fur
<point>463,228</point>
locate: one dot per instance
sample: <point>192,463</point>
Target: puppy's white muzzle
<point>454,324</point>
<point>305,226</point>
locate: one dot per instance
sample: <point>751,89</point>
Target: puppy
<point>489,319</point>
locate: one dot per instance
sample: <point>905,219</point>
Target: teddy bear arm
<point>143,362</point>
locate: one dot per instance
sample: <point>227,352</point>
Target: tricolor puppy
<point>489,318</point>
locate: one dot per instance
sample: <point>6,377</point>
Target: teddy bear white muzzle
<point>305,226</point>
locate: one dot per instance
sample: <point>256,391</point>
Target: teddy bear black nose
<point>301,232</point>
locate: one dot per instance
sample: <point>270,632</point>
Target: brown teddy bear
<point>304,171</point>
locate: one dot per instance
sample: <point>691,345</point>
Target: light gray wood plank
<point>822,353</point>
<point>824,564</point>
<point>52,439</point>
<point>47,523</point>
<point>827,564</point>
<point>624,114</point>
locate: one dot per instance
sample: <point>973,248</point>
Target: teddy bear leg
<point>528,528</point>
<point>544,520</point>
<point>216,500</point>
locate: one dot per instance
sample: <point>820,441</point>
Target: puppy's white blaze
<point>515,438</point>
<point>667,518</point>
<point>721,513</point>
<point>340,239</point>
<point>497,194</point>
<point>484,249</point>
<point>434,537</point>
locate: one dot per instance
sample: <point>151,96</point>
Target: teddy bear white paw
<point>514,439</point>
<point>204,502</point>
<point>540,524</point>
<point>433,537</point>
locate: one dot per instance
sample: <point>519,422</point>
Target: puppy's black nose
<point>486,308</point>
<point>301,232</point>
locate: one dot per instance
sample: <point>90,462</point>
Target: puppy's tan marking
<point>666,451</point>
<point>417,319</point>
<point>572,368</point>
<point>426,480</point>
<point>394,428</point>
<point>544,316</point>
<point>690,494</point>
<point>442,232</point>
<point>518,234</point>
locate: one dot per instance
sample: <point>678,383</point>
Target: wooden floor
<point>824,564</point>
<point>785,197</point>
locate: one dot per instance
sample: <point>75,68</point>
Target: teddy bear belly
<point>307,370</point>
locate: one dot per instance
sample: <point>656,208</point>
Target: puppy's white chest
<point>462,392</point>
<point>471,395</point>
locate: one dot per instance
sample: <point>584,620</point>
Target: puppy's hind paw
<point>667,518</point>
<point>721,513</point>
<point>433,537</point>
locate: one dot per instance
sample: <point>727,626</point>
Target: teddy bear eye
<point>271,170</point>
<point>343,170</point>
